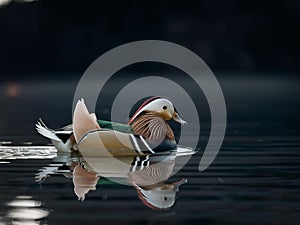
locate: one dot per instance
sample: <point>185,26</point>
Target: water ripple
<point>27,152</point>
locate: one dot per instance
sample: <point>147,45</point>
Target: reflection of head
<point>84,181</point>
<point>161,196</point>
<point>149,182</point>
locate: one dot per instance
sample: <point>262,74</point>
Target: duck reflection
<point>148,175</point>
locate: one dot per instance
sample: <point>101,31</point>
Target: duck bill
<point>177,119</point>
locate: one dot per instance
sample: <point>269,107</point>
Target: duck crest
<point>151,127</point>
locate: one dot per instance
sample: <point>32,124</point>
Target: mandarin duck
<point>154,126</point>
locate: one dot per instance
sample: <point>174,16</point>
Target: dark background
<point>56,36</point>
<point>251,46</point>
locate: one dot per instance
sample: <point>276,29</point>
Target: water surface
<point>254,179</point>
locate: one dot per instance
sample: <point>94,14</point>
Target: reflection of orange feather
<point>83,122</point>
<point>84,181</point>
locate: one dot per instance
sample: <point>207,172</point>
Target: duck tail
<point>83,121</point>
<point>45,131</point>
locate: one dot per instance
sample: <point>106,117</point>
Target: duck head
<point>159,106</point>
<point>152,118</point>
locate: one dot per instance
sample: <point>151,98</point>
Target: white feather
<point>46,132</point>
<point>56,141</point>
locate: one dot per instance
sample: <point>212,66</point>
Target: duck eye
<point>165,198</point>
<point>165,107</point>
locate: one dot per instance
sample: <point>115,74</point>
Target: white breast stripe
<point>145,161</point>
<point>136,162</point>
<point>133,168</point>
<point>137,147</point>
<point>146,144</point>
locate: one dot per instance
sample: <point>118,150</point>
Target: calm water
<point>255,178</point>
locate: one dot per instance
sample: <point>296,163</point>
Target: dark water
<point>255,178</point>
